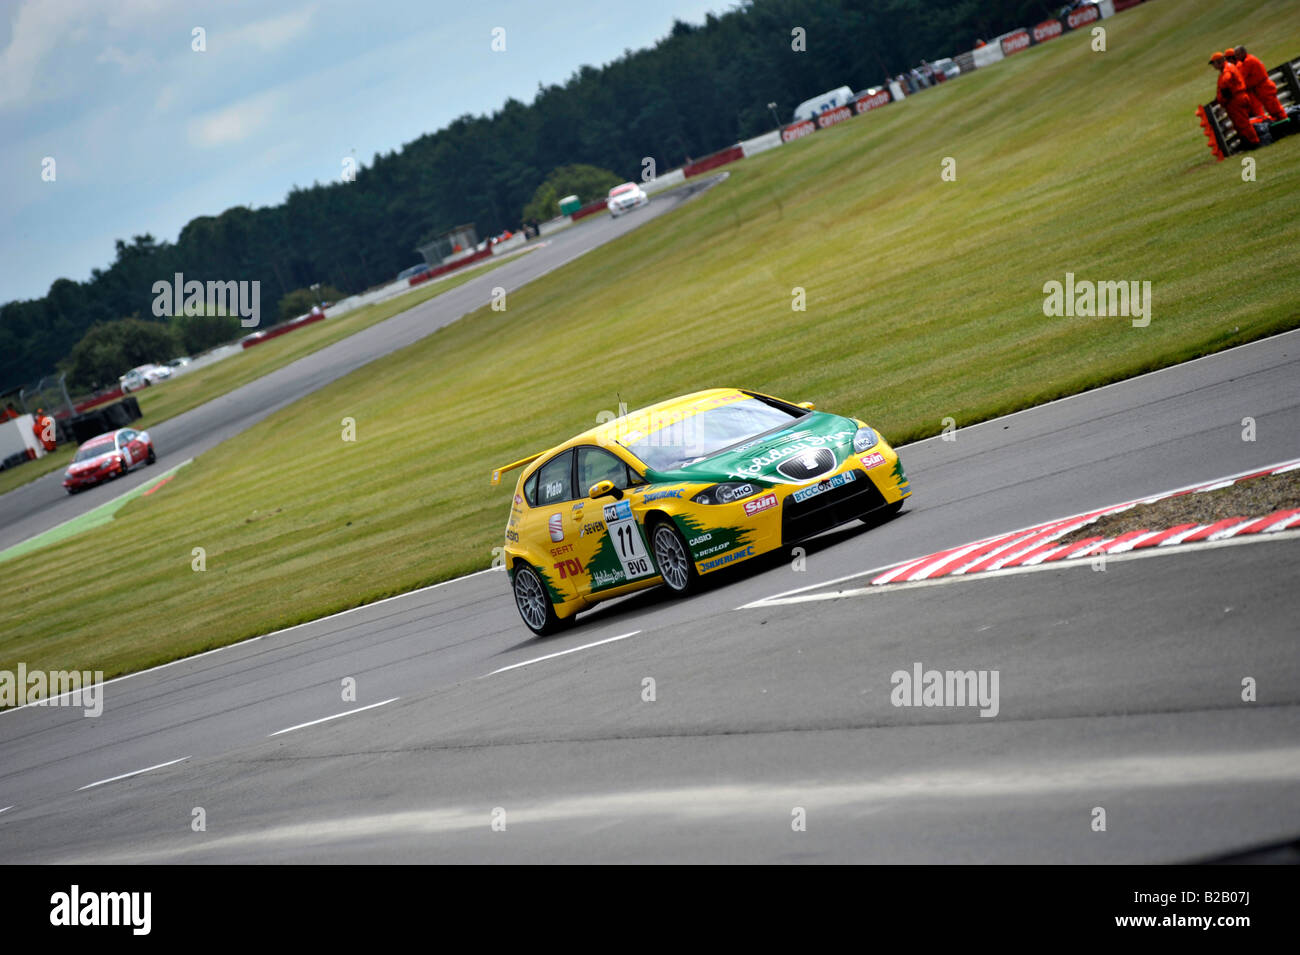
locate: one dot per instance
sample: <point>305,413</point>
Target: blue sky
<point>147,133</point>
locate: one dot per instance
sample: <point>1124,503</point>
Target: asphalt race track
<point>1119,690</point>
<point>42,504</point>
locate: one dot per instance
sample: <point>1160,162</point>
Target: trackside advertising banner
<point>1015,42</point>
<point>1082,17</point>
<point>833,116</point>
<point>865,104</point>
<point>798,131</point>
<point>1048,30</point>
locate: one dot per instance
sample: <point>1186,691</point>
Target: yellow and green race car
<point>681,489</point>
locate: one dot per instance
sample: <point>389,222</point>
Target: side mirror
<point>603,489</point>
<point>807,406</point>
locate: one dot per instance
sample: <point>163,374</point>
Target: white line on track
<point>127,676</point>
<point>336,716</point>
<point>552,656</point>
<point>147,769</point>
<point>800,598</point>
<point>6,809</point>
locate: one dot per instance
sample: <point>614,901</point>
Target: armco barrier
<point>98,400</point>
<point>546,228</point>
<point>292,325</point>
<point>798,130</point>
<point>761,143</point>
<point>514,242</point>
<point>865,104</point>
<point>1048,30</point>
<point>833,117</point>
<point>446,267</point>
<point>1015,41</point>
<point>987,55</point>
<point>665,181</point>
<point>720,158</point>
<point>590,209</point>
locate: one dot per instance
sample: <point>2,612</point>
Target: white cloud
<point>167,96</point>
<point>129,63</point>
<point>269,34</point>
<point>37,29</point>
<point>236,122</point>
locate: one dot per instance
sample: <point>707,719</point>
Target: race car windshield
<point>93,451</point>
<point>708,432</point>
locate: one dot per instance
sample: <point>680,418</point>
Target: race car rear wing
<point>496,475</point>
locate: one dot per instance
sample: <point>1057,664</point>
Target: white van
<point>812,108</point>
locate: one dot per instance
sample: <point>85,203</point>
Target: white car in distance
<point>143,376</point>
<point>625,198</point>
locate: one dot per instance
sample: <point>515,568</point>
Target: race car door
<point>612,547</point>
<point>553,524</point>
<point>134,446</point>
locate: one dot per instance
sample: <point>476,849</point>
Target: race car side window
<point>530,490</point>
<point>555,480</point>
<point>596,465</point>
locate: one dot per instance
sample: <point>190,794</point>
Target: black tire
<point>882,513</point>
<point>151,458</point>
<point>673,559</point>
<point>534,603</point>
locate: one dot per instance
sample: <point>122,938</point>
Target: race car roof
<point>635,424</point>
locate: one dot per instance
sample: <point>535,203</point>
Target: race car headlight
<point>864,440</point>
<point>726,493</point>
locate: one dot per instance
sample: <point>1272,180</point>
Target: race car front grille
<point>830,508</point>
<point>810,464</point>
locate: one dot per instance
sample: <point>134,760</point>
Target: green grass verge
<point>178,395</point>
<point>924,302</point>
<point>95,517</point>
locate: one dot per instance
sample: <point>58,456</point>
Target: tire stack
<point>101,420</point>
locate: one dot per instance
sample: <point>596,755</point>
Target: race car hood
<point>90,464</point>
<point>794,455</point>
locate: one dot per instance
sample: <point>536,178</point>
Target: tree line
<point>699,89</point>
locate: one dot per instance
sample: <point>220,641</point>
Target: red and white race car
<point>625,198</point>
<point>107,456</point>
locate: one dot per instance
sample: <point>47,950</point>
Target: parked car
<point>412,271</point>
<point>947,66</point>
